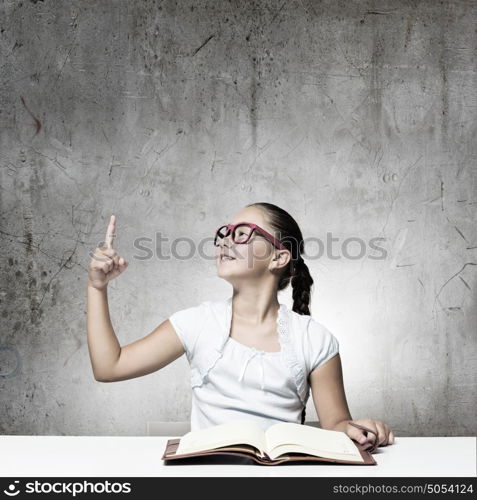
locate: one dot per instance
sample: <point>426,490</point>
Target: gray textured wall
<point>359,117</point>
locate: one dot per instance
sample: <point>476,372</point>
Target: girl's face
<point>253,260</point>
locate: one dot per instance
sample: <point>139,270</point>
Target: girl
<point>250,355</point>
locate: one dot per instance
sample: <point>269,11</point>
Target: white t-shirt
<point>246,383</point>
<point>231,381</point>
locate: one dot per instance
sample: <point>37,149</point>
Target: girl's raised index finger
<point>110,234</point>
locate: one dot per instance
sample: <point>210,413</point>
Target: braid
<point>303,413</point>
<point>301,282</point>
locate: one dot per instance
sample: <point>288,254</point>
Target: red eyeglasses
<point>242,232</point>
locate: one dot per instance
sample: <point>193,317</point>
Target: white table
<point>97,456</point>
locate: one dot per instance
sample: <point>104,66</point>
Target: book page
<point>232,433</point>
<point>281,451</point>
<point>289,437</point>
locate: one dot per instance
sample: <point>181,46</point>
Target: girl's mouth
<point>225,257</point>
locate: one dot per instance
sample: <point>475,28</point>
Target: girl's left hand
<point>385,435</point>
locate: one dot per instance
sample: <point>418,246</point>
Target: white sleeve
<point>323,345</point>
<point>188,324</point>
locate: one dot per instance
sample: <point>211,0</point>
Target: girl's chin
<point>229,266</point>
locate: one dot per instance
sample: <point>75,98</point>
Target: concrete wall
<point>358,117</point>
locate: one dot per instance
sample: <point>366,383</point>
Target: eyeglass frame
<point>255,227</point>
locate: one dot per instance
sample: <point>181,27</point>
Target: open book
<point>280,443</point>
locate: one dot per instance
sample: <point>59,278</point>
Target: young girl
<point>250,355</point>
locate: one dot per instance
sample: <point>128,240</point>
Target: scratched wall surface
<point>358,117</point>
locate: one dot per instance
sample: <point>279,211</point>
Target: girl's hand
<point>106,264</point>
<point>385,435</point>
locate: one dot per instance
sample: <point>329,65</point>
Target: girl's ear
<point>282,257</point>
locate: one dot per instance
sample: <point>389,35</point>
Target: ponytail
<point>301,282</point>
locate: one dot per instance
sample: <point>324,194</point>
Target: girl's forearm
<point>103,345</point>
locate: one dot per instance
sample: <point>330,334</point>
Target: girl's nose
<point>227,239</point>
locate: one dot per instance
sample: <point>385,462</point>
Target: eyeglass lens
<point>240,234</point>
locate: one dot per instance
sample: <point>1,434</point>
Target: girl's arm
<point>329,397</point>
<point>113,363</point>
<point>103,345</point>
<point>110,361</point>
